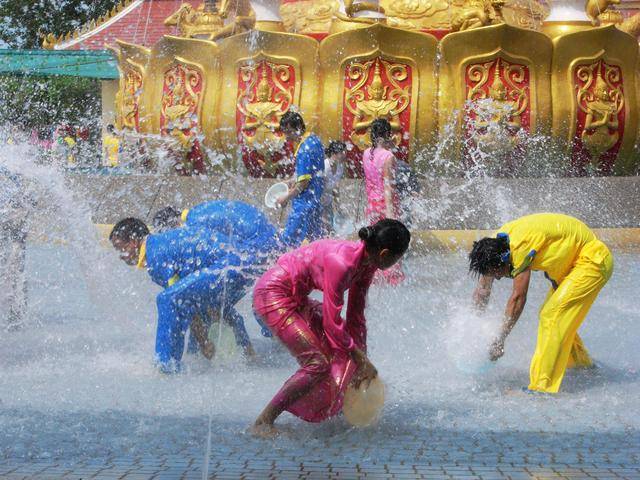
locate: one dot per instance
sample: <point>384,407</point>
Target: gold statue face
<point>498,92</point>
<point>376,91</point>
<point>262,92</point>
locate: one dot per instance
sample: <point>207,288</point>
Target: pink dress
<point>373,161</point>
<point>314,332</point>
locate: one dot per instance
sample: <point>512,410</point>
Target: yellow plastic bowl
<point>362,407</point>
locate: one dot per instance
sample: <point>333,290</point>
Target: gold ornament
<point>601,102</point>
<point>595,8</point>
<point>310,16</point>
<point>380,102</point>
<point>478,13</point>
<point>416,14</point>
<point>262,110</point>
<point>207,21</point>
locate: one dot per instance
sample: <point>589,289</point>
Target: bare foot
<point>264,430</point>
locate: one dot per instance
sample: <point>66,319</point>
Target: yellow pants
<point>564,309</point>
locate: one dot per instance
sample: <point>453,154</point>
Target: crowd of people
<point>207,258</point>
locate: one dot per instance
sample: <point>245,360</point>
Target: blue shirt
<point>310,166</point>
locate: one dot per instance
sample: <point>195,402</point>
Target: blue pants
<point>304,222</point>
<point>194,294</point>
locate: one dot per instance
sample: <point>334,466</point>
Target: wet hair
<point>165,219</point>
<point>380,128</point>
<point>386,233</point>
<point>129,229</point>
<point>335,147</point>
<point>293,121</point>
<point>487,255</point>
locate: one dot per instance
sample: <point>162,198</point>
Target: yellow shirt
<point>111,147</point>
<point>550,242</point>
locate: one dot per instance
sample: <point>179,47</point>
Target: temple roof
<point>133,21</point>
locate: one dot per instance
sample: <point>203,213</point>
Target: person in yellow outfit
<point>576,263</point>
<point>111,147</point>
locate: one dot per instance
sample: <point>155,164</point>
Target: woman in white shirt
<point>334,157</point>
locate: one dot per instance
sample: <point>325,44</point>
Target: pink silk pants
<point>316,391</point>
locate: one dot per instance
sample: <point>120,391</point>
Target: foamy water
<point>87,347</point>
<point>424,338</point>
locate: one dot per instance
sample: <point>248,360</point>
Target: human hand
<point>282,201</point>
<point>496,350</point>
<point>365,373</point>
<point>208,350</point>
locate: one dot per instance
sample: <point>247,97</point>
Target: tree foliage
<point>21,21</point>
<point>42,103</point>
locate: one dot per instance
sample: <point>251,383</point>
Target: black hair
<point>292,120</point>
<point>487,255</point>
<point>111,128</point>
<point>129,229</point>
<point>166,218</point>
<point>380,128</point>
<point>335,147</point>
<point>386,233</point>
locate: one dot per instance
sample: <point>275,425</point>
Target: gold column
<point>585,71</point>
<point>201,55</point>
<point>530,50</point>
<point>132,65</point>
<point>409,53</point>
<point>297,53</point>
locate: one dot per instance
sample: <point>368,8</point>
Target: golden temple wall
<point>424,87</point>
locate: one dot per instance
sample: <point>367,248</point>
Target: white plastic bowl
<point>276,191</point>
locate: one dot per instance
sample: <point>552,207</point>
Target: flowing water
<point>85,352</point>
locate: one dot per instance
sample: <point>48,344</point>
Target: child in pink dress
<point>379,165</point>
<point>331,351</point>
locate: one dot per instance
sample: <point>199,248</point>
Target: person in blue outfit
<point>245,222</point>
<point>202,270</point>
<point>305,190</point>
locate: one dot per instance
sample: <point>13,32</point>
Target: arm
<point>482,293</point>
<point>299,186</point>
<point>512,313</point>
<point>335,279</point>
<point>388,173</point>
<point>357,326</point>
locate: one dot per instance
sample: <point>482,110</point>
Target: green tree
<point>21,21</point>
<point>42,103</point>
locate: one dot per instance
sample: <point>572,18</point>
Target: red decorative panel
<point>376,88</point>
<point>497,113</point>
<point>181,95</point>
<point>132,89</point>
<point>600,117</point>
<point>265,92</point>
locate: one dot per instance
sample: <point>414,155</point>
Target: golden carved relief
<point>130,97</point>
<point>310,16</point>
<point>509,96</point>
<point>601,99</point>
<point>180,100</point>
<point>262,105</point>
<point>478,13</point>
<point>207,20</point>
<point>416,14</point>
<point>595,8</point>
<point>376,100</point>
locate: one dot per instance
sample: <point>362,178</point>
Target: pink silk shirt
<point>333,266</point>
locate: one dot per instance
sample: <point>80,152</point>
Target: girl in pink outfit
<point>379,165</point>
<point>331,351</point>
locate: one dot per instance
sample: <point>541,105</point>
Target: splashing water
<point>87,346</point>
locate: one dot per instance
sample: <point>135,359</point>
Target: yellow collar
<point>302,139</point>
<point>142,258</point>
